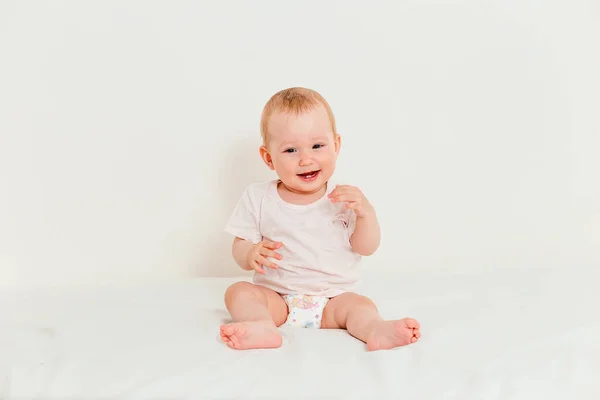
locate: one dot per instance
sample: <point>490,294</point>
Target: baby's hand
<point>257,256</point>
<point>354,199</point>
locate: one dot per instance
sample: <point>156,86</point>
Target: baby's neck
<point>300,198</point>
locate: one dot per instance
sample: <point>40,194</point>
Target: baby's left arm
<point>367,236</point>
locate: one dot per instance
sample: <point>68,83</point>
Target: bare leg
<point>256,312</point>
<point>359,315</point>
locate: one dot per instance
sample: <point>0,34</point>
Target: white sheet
<point>501,335</point>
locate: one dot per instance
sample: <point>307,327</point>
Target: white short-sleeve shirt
<point>317,256</point>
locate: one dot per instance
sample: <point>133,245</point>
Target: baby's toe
<point>227,330</point>
<point>412,323</point>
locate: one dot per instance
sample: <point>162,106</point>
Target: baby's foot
<point>251,335</point>
<point>390,334</point>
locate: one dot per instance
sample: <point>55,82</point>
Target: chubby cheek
<point>285,167</point>
<point>327,162</point>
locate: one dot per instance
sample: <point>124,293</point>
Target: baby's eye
<point>318,146</point>
<point>290,150</point>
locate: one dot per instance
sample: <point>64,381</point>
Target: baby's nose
<point>305,161</point>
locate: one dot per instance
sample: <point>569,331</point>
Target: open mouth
<point>309,176</point>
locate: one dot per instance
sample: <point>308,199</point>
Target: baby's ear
<point>266,157</point>
<point>337,143</point>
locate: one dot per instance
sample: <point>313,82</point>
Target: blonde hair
<point>295,100</point>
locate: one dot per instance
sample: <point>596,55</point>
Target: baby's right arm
<point>250,256</point>
<point>240,250</point>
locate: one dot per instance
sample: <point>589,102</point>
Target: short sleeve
<point>244,221</point>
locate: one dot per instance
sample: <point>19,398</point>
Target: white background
<point>128,130</point>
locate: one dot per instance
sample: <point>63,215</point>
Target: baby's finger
<point>271,245</point>
<point>266,263</point>
<point>343,189</point>
<point>258,268</point>
<point>344,197</point>
<point>270,253</point>
<point>338,190</point>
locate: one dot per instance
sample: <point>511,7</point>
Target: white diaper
<point>305,311</point>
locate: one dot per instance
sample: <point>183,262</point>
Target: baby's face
<point>302,149</point>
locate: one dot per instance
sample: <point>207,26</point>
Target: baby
<point>304,236</point>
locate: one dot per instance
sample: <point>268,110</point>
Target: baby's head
<point>300,141</point>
